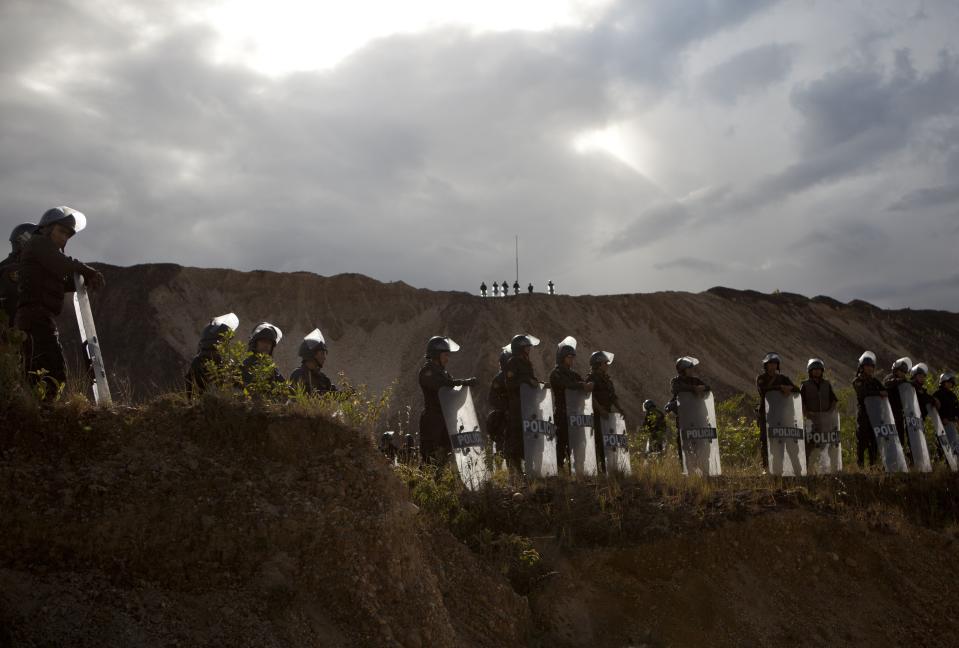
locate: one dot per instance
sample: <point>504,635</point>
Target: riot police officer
<point>770,379</point>
<point>817,393</point>
<point>9,270</point>
<point>310,374</point>
<point>198,376</point>
<point>519,370</point>
<point>434,437</point>
<point>45,276</point>
<point>654,427</point>
<point>866,384</point>
<point>684,381</point>
<point>899,375</point>
<point>561,378</point>
<point>605,400</point>
<point>945,396</point>
<point>263,341</point>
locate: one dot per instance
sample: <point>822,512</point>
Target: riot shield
<point>468,441</point>
<point>582,446</point>
<point>785,434</point>
<point>539,431</point>
<point>823,443</point>
<point>949,446</point>
<point>915,429</point>
<point>90,340</point>
<point>884,427</point>
<point>697,433</point>
<point>615,444</point>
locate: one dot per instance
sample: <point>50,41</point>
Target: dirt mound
<point>219,525</point>
<point>150,317</point>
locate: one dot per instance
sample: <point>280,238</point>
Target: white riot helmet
<point>902,364</point>
<point>565,348</point>
<point>686,362</point>
<point>265,331</point>
<point>520,342</point>
<point>919,368</point>
<point>867,358</point>
<point>211,333</point>
<point>599,357</point>
<point>949,376</point>
<point>439,344</point>
<point>66,216</point>
<point>815,363</point>
<point>313,342</point>
<point>772,356</point>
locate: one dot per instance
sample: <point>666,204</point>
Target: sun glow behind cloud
<point>285,36</point>
<point>626,145</point>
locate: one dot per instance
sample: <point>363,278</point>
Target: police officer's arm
<point>833,399</point>
<point>58,263</point>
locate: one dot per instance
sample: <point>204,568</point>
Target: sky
<point>632,145</point>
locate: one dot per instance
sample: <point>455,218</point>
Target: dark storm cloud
<point>927,197</point>
<point>420,156</point>
<point>690,263</point>
<point>748,71</point>
<point>855,116</point>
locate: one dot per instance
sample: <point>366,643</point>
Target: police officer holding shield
<point>866,384</point>
<point>497,419</point>
<point>519,370</point>
<point>769,380</point>
<point>434,437</point>
<point>684,381</point>
<point>817,393</point>
<point>948,404</point>
<point>605,400</point>
<point>45,276</point>
<point>899,375</point>
<point>561,378</point>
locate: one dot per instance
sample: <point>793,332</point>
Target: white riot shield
<point>468,441</point>
<point>582,444</point>
<point>539,431</point>
<point>915,429</point>
<point>615,444</point>
<point>823,443</point>
<point>90,340</point>
<point>949,445</point>
<point>887,437</point>
<point>697,433</point>
<point>785,434</point>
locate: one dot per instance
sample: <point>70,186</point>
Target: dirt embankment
<point>150,316</point>
<point>219,525</point>
<point>214,526</point>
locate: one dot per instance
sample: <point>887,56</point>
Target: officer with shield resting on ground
<point>917,375</point>
<point>684,381</point>
<point>866,384</point>
<point>434,437</point>
<point>817,393</point>
<point>561,378</point>
<point>519,370</point>
<point>497,419</point>
<point>654,427</point>
<point>10,271</point>
<point>605,400</point>
<point>45,276</point>
<point>946,401</point>
<point>309,375</point>
<point>770,379</point>
<point>899,375</point>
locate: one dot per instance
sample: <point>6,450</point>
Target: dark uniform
<point>765,383</point>
<point>891,383</point>
<point>654,425</point>
<point>9,279</point>
<point>250,364</point>
<point>817,396</point>
<point>519,370</point>
<point>605,401</point>
<point>497,419</point>
<point>314,381</point>
<point>561,379</point>
<point>948,404</point>
<point>925,398</point>
<point>865,437</point>
<point>677,385</point>
<point>434,438</point>
<point>46,275</point>
<point>198,377</point>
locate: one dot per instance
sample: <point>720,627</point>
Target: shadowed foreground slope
<point>216,524</point>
